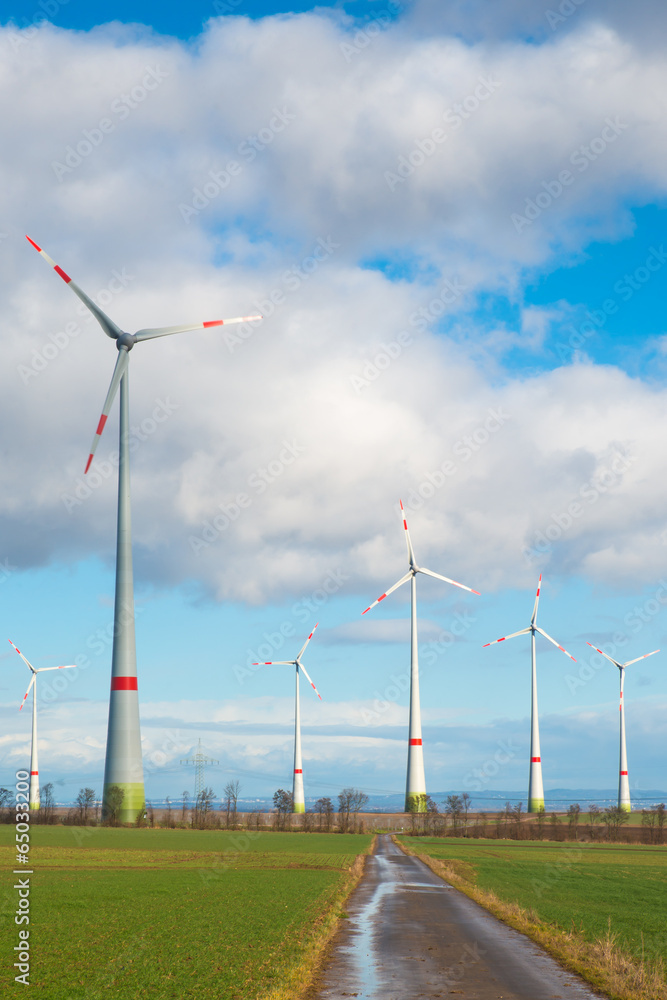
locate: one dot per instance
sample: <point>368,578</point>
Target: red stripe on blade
<point>101,425</point>
<point>298,770</point>
<point>34,772</point>
<point>624,772</point>
<point>62,274</point>
<point>415,743</point>
<point>214,322</point>
<point>535,760</point>
<point>124,684</point>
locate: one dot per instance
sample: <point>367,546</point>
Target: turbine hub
<point>126,341</point>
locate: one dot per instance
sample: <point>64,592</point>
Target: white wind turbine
<point>535,786</point>
<point>415,789</point>
<point>298,798</point>
<point>33,795</point>
<point>624,802</point>
<point>123,766</point>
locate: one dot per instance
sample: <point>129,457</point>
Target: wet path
<point>410,935</point>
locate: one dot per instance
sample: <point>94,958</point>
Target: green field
<point>171,913</point>
<point>570,885</point>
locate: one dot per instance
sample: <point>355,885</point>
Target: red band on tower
<point>124,684</point>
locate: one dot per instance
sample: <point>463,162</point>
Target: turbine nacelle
<point>126,341</point>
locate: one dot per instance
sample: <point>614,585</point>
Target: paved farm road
<point>411,936</point>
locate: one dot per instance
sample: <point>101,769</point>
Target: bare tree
<point>660,820</point>
<point>432,818</point>
<point>614,819</point>
<point>453,807</point>
<point>594,817</point>
<point>350,802</point>
<point>516,814</point>
<point>231,797</point>
<point>6,805</point>
<point>47,803</point>
<point>573,819</point>
<point>85,801</point>
<point>184,810</point>
<point>324,807</point>
<point>203,805</point>
<point>465,806</point>
<point>283,804</point>
<point>113,800</point>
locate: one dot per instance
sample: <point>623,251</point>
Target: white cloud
<point>320,458</point>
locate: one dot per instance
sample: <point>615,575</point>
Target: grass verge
<point>602,962</point>
<point>299,977</point>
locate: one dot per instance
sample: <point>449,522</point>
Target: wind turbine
<point>415,790</point>
<point>33,795</point>
<point>535,786</point>
<point>298,799</point>
<point>123,766</point>
<point>623,783</point>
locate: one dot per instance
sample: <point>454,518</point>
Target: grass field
<point>580,887</point>
<point>173,913</point>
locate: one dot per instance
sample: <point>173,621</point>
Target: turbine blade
<point>303,648</point>
<point>606,655</point>
<point>22,656</point>
<point>301,667</point>
<point>411,553</point>
<point>118,372</point>
<point>273,663</point>
<point>65,666</point>
<point>32,681</point>
<point>524,631</point>
<point>107,324</point>
<point>437,576</point>
<point>640,658</point>
<point>557,644</point>
<point>537,600</point>
<point>166,331</point>
<point>404,579</point>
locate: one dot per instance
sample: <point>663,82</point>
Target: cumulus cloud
<point>261,169</point>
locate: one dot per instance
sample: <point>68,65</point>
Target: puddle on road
<point>361,949</point>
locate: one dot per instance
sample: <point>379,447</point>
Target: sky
<point>452,218</point>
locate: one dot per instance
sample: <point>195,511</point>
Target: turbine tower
<point>123,765</point>
<point>415,789</point>
<point>33,794</point>
<point>624,802</point>
<point>298,798</point>
<point>535,786</point>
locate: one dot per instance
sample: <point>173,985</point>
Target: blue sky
<point>389,158</point>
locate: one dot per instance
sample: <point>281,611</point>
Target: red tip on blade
<point>90,458</point>
<point>32,243</point>
<point>476,592</point>
<point>367,609</point>
<point>214,322</point>
<point>62,274</point>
